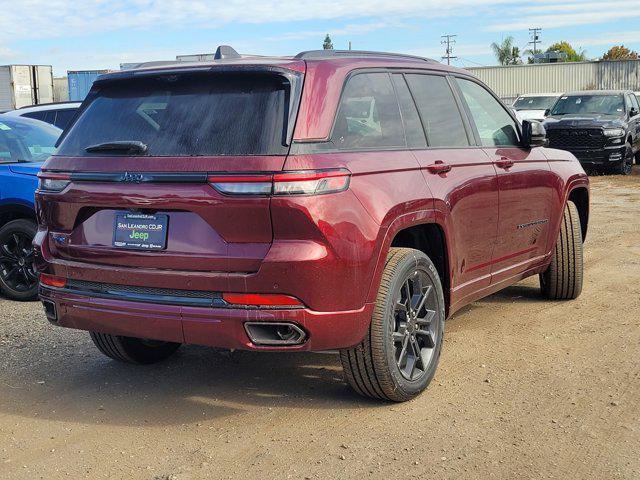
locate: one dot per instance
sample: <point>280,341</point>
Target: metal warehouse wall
<point>514,80</point>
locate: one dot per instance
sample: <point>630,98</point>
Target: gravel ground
<point>525,389</point>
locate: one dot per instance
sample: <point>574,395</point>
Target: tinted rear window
<point>185,115</point>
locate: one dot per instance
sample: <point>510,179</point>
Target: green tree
<point>620,52</point>
<point>327,45</point>
<point>572,54</point>
<point>506,52</point>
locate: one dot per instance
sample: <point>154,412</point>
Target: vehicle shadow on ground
<point>197,384</point>
<point>519,293</point>
<point>71,381</point>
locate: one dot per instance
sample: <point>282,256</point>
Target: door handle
<point>439,167</point>
<point>504,162</point>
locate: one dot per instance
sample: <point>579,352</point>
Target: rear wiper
<point>124,146</point>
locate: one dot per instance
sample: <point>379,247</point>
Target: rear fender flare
<point>402,222</point>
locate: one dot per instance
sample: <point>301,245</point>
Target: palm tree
<point>506,52</point>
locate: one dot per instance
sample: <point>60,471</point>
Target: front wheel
<point>133,350</point>
<point>18,278</point>
<point>626,165</point>
<point>398,357</point>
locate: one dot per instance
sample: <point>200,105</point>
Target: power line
<point>449,41</point>
<point>471,61</point>
<point>535,38</point>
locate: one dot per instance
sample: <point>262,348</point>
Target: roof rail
<point>322,54</point>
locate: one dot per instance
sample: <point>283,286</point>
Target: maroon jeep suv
<point>333,200</point>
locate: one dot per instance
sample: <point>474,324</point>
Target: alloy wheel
<point>415,326</point>
<point>16,262</point>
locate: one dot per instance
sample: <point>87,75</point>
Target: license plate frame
<point>140,231</point>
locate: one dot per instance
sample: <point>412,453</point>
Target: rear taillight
<point>306,182</point>
<point>261,299</point>
<point>52,280</point>
<point>242,184</point>
<point>311,182</point>
<point>53,182</point>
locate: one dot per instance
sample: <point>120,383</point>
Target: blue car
<point>24,145</point>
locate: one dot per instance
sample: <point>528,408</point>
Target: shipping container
<point>513,80</point>
<point>25,85</point>
<point>60,89</point>
<point>80,82</point>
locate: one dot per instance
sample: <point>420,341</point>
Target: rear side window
<point>43,115</point>
<point>186,115</point>
<point>494,124</point>
<point>368,116</point>
<point>412,125</point>
<point>63,117</point>
<point>439,111</point>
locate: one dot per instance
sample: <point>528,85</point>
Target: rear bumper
<point>215,327</point>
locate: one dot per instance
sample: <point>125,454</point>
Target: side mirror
<point>533,134</point>
<point>547,112</point>
<point>633,112</point>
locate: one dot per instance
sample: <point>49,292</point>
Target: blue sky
<point>88,34</point>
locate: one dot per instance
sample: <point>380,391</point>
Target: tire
<point>376,367</point>
<point>626,165</point>
<point>18,277</point>
<point>562,280</point>
<point>133,350</point>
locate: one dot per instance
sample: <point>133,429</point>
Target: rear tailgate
<point>194,126</point>
<point>206,230</point>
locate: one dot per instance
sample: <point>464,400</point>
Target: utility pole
<point>449,41</point>
<point>349,44</point>
<point>535,38</point>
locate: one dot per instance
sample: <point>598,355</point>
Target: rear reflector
<point>306,182</point>
<point>52,280</point>
<point>261,300</point>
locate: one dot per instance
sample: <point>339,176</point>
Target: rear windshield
<point>185,115</point>
<point>534,103</point>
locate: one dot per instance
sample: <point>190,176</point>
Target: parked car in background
<point>24,145</point>
<point>223,204</point>
<point>534,106</point>
<point>58,114</point>
<point>600,127</point>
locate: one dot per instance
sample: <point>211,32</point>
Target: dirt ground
<point>525,389</point>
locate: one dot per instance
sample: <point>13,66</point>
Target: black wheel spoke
<point>426,320</point>
<point>410,366</point>
<point>423,299</point>
<point>403,352</point>
<point>428,338</point>
<point>18,241</point>
<point>10,274</point>
<point>4,249</point>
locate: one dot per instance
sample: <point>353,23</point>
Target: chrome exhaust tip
<point>274,334</point>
